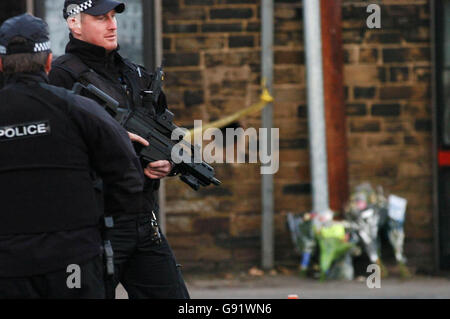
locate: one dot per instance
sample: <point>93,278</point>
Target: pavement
<point>279,286</point>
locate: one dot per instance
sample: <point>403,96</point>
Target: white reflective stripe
<point>80,8</point>
<point>44,46</point>
<point>2,49</point>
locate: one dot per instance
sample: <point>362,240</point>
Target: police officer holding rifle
<point>144,261</point>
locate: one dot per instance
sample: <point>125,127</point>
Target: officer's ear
<point>48,63</point>
<point>74,23</point>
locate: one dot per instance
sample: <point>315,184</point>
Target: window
<point>131,34</point>
<point>59,33</point>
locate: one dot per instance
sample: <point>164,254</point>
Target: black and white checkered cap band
<point>44,46</point>
<point>80,8</point>
<point>38,47</point>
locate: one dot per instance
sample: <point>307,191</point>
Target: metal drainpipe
<point>158,60</point>
<point>267,244</point>
<point>315,99</point>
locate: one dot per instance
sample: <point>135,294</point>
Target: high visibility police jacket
<point>50,141</point>
<point>116,76</point>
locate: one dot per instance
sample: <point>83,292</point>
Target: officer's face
<point>100,30</point>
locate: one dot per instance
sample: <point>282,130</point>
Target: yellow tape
<point>265,98</point>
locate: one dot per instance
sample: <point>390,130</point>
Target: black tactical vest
<point>136,80</point>
<point>45,184</point>
<point>128,94</point>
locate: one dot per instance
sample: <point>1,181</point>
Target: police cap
<point>33,30</point>
<point>92,7</point>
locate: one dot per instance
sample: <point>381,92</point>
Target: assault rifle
<point>157,127</point>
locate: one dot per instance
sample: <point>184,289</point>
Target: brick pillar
<point>333,61</point>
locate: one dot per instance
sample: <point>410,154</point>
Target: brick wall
<point>212,51</point>
<point>387,77</point>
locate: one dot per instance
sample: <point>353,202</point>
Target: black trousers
<point>54,285</point>
<point>147,270</point>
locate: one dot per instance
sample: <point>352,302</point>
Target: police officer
<point>50,140</point>
<point>146,267</point>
